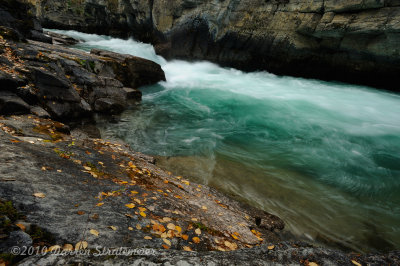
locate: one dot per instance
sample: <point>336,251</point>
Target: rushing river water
<point>323,156</point>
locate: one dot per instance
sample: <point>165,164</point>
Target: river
<point>323,156</point>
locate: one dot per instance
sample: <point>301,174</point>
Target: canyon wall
<point>347,40</point>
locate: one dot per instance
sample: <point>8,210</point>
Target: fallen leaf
<point>14,140</point>
<point>166,241</point>
<point>113,228</point>
<point>87,168</point>
<point>142,209</point>
<point>148,237</point>
<point>94,232</point>
<point>68,247</point>
<point>159,228</point>
<point>178,228</point>
<point>165,246</point>
<point>196,240</point>
<point>80,212</point>
<point>39,195</point>
<point>271,247</point>
<point>138,227</point>
<point>187,248</point>
<point>81,245</point>
<point>52,248</point>
<point>204,208</point>
<point>143,214</point>
<point>230,245</point>
<point>198,231</point>
<point>128,215</point>
<point>130,205</point>
<point>355,263</point>
<point>130,228</point>
<point>59,171</point>
<point>100,204</point>
<point>167,219</point>
<point>185,237</point>
<point>315,264</point>
<point>194,219</point>
<point>21,226</point>
<point>171,226</point>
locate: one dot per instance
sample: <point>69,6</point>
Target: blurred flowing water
<point>323,156</point>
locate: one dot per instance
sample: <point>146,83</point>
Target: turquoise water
<point>323,156</point>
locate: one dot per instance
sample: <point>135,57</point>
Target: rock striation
<point>50,80</point>
<point>348,40</point>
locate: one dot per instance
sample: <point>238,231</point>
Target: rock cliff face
<point>65,84</point>
<point>347,40</point>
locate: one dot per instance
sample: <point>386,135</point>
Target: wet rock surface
<point>69,84</point>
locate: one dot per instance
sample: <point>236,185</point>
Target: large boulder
<point>131,70</point>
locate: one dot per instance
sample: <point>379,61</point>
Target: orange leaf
<point>185,237</point>
<point>196,240</point>
<point>165,246</point>
<point>81,212</point>
<point>21,226</point>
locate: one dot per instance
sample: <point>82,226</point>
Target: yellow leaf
<point>130,228</point>
<point>166,241</point>
<point>131,164</point>
<point>138,227</point>
<point>196,240</point>
<point>143,214</point>
<point>198,231</point>
<point>142,209</point>
<point>134,192</point>
<point>271,247</point>
<point>100,204</point>
<point>113,228</point>
<point>171,226</point>
<point>81,245</point>
<point>315,264</point>
<point>147,237</point>
<point>194,219</point>
<point>178,228</point>
<point>230,245</point>
<point>187,248</point>
<point>355,263</point>
<point>130,205</point>
<point>39,195</point>
<point>94,232</point>
<point>87,168</point>
<point>68,247</point>
<point>204,208</point>
<point>235,237</point>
